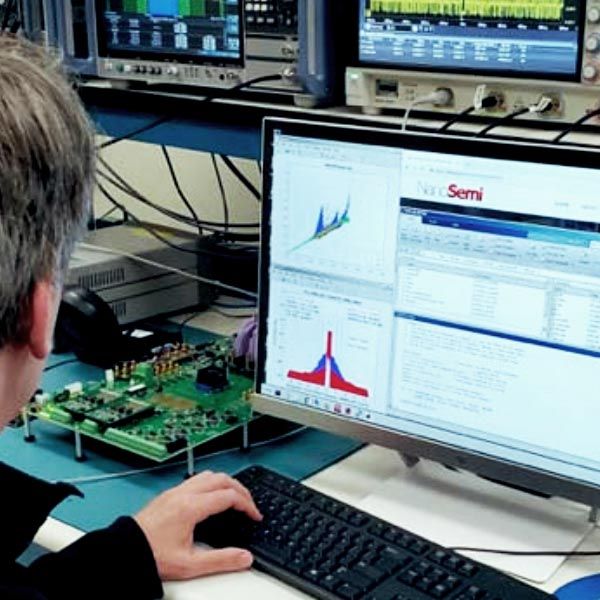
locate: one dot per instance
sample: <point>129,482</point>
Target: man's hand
<point>169,520</point>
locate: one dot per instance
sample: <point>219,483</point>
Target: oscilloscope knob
<point>592,43</point>
<point>593,15</point>
<point>590,72</point>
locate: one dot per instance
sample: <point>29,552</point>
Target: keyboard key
<point>349,591</point>
<point>354,579</point>
<point>440,591</point>
<point>371,573</point>
<point>454,562</point>
<point>468,570</point>
<point>331,582</point>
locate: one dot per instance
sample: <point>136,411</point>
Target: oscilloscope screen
<point>202,31</point>
<point>517,37</point>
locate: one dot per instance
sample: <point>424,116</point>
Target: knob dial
<point>589,72</point>
<point>592,43</point>
<point>593,15</point>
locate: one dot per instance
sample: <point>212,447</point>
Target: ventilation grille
<point>119,308</point>
<point>100,279</point>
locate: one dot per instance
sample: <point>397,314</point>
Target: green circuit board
<point>180,398</point>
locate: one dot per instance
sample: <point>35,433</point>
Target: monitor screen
<point>196,31</point>
<point>445,290</point>
<point>531,38</point>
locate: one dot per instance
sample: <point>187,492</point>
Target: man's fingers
<point>209,482</point>
<point>207,562</point>
<point>213,503</point>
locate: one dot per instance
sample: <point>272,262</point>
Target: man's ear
<point>43,308</point>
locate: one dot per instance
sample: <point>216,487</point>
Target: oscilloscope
<point>521,50</point>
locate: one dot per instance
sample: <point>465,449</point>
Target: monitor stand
<point>459,509</point>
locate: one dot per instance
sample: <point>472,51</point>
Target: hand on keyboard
<point>168,523</point>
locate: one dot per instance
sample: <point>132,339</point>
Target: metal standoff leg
<point>79,455</point>
<point>29,437</point>
<point>190,463</point>
<point>245,438</point>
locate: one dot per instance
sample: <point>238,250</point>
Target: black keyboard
<point>331,550</point>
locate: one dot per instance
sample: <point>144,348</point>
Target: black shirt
<point>107,564</point>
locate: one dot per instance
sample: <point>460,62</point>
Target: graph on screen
<point>337,221</point>
<point>328,374</point>
<point>327,224</point>
<point>324,344</point>
<point>530,10</point>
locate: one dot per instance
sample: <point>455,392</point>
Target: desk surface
<point>350,480</point>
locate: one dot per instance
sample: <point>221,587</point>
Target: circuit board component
<point>183,396</point>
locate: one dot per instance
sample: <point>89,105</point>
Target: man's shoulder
<point>27,501</point>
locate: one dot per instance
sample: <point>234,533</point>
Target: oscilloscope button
<point>593,15</point>
<point>592,43</point>
<point>589,72</point>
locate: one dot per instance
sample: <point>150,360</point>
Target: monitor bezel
<point>510,472</point>
<point>170,57</point>
<point>478,73</point>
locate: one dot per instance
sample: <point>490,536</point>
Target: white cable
<point>153,263</point>
<point>108,476</point>
<point>440,97</point>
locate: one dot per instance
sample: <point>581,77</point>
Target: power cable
<point>241,177</point>
<point>221,190</point>
<point>180,192</point>
<point>574,125</point>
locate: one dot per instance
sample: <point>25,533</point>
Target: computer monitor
<point>184,31</point>
<point>530,38</point>
<point>439,296</point>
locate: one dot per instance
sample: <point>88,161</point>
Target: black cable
<point>574,125</point>
<point>162,210</point>
<point>180,192</point>
<point>120,183</point>
<point>456,119</point>
<point>524,553</point>
<point>491,101</point>
<point>61,364</point>
<point>153,232</point>
<point>499,122</point>
<point>218,94</point>
<point>243,179</point>
<point>222,191</point>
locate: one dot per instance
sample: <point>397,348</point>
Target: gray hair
<point>47,164</point>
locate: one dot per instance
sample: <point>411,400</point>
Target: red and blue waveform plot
<point>327,374</point>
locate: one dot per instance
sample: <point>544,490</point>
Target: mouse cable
<point>213,226</point>
<point>221,190</point>
<point>525,552</point>
<point>573,126</point>
<point>179,190</point>
<point>217,95</point>
<point>241,177</point>
<point>123,474</point>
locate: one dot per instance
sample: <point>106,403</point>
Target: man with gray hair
<point>46,179</point>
